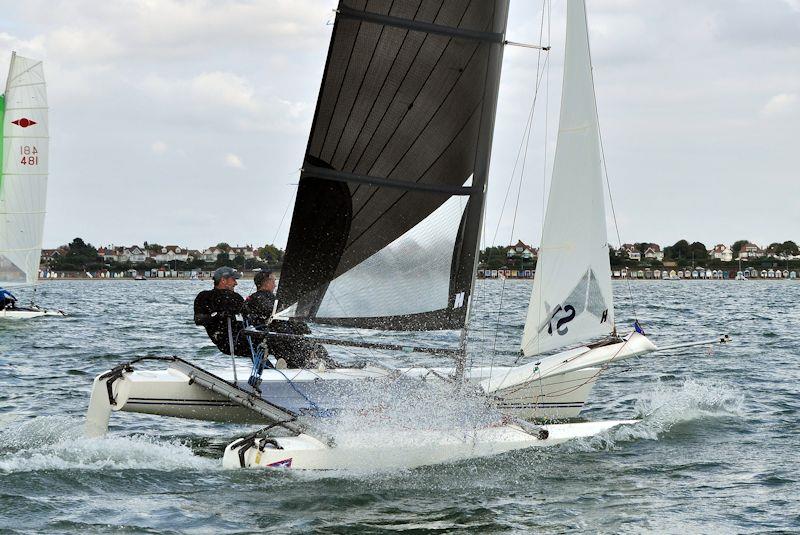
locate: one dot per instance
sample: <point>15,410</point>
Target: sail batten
<point>571,300</point>
<point>393,173</point>
<point>24,162</point>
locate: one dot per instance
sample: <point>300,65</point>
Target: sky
<point>185,122</point>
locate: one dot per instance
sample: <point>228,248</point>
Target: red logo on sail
<point>24,122</point>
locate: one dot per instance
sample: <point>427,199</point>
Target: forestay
<point>23,184</point>
<point>571,299</point>
<point>385,228</point>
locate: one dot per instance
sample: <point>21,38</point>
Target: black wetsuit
<point>212,308</point>
<point>297,353</point>
<point>259,307</point>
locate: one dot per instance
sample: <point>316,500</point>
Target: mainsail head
<point>571,299</point>
<point>23,183</point>
<point>389,205</point>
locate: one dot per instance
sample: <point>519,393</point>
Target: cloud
<point>223,89</point>
<point>159,147</point>
<point>228,100</point>
<point>232,160</point>
<point>780,105</point>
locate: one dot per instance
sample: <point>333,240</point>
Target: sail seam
<point>405,114</point>
<point>23,213</point>
<point>425,127</point>
<point>581,128</point>
<point>341,85</point>
<point>426,27</point>
<point>28,85</point>
<point>473,189</point>
<point>361,86</point>
<point>23,72</point>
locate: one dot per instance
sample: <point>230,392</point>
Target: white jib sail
<point>23,184</point>
<point>571,299</point>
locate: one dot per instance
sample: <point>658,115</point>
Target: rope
<point>231,346</point>
<point>285,211</point>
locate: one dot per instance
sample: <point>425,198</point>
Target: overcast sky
<point>186,121</point>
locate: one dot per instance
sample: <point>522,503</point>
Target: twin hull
<point>553,388</point>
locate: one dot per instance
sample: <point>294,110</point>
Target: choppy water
<point>717,449</point>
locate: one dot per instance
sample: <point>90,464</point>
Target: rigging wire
<point>605,169</point>
<point>285,211</point>
<point>524,142</point>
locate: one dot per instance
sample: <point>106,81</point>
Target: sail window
<point>409,276</point>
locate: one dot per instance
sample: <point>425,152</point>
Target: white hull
<point>304,452</point>
<point>24,314</point>
<point>171,393</point>
<point>554,388</point>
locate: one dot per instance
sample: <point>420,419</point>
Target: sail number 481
<point>30,156</point>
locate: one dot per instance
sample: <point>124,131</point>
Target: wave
<point>58,443</point>
<point>666,406</point>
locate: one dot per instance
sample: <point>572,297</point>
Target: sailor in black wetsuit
<point>297,352</point>
<point>260,304</point>
<point>220,308</point>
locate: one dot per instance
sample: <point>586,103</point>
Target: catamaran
<point>385,237</point>
<point>23,183</point>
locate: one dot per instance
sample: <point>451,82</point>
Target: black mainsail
<point>389,206</point>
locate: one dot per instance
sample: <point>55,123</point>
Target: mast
<point>481,175</point>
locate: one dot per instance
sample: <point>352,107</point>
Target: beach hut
<point>672,274</point>
<point>640,274</point>
<point>771,274</point>
<point>785,273</point>
<point>763,274</point>
<point>778,274</point>
<point>656,273</point>
<point>709,274</point>
<point>793,275</point>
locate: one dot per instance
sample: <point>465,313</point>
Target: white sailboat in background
<point>23,183</point>
<point>361,234</point>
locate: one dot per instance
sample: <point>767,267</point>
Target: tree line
<point>681,252</point>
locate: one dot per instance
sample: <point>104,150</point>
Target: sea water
<point>716,450</point>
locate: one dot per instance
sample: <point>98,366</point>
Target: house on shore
<point>721,252</point>
<point>750,250</point>
<point>521,251</point>
<point>630,251</point>
<point>654,252</point>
